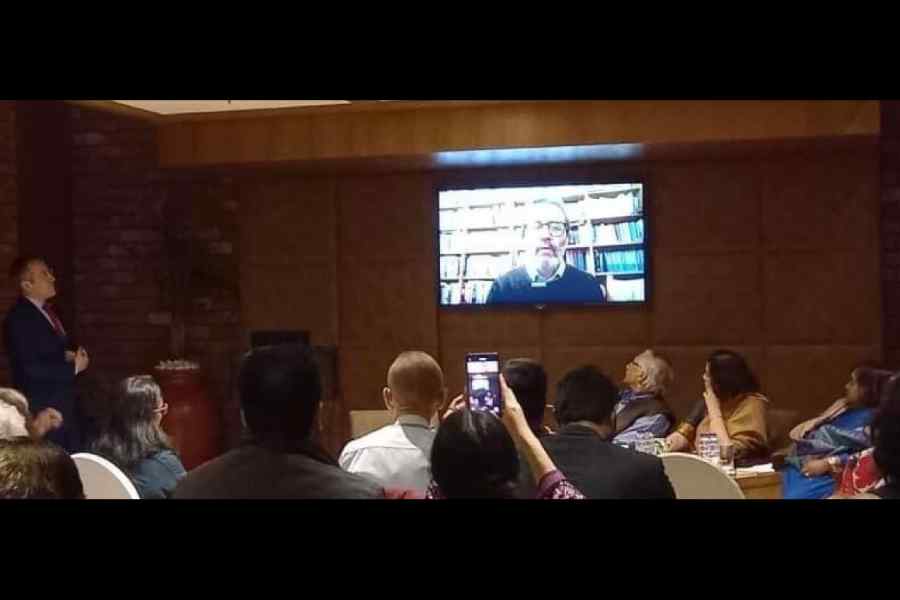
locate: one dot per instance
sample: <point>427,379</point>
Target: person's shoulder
<point>636,461</point>
<point>754,400</point>
<point>512,276</point>
<point>17,309</point>
<point>168,459</point>
<point>576,273</point>
<point>373,438</point>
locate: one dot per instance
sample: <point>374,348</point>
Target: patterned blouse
<point>860,474</point>
<point>553,486</point>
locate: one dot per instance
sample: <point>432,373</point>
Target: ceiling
<point>179,107</point>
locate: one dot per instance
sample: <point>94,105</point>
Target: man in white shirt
<point>398,456</point>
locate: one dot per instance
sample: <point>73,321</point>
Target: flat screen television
<point>542,245</point>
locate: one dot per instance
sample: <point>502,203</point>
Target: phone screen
<point>483,382</point>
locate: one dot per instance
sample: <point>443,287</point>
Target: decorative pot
<point>193,422</point>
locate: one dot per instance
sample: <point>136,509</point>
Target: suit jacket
<point>603,470</point>
<point>37,357</point>
<point>254,472</point>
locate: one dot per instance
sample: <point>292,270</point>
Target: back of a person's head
<point>730,375</point>
<point>416,381</point>
<point>473,456</point>
<point>131,433</point>
<point>37,470</point>
<point>871,382</point>
<point>528,380</point>
<point>20,266</point>
<point>886,430</point>
<point>280,391</point>
<point>13,414</point>
<point>585,394</point>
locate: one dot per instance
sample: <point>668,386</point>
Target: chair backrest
<point>779,422</point>
<point>695,479</point>
<point>364,421</point>
<point>103,480</point>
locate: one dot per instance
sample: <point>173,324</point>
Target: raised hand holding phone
<point>513,417</point>
<point>482,382</point>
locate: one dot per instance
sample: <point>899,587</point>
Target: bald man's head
<point>415,384</point>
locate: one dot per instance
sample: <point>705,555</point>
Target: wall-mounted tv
<point>559,244</point>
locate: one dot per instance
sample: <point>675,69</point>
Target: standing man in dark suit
<point>581,448</point>
<point>43,368</point>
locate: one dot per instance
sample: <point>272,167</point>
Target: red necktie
<point>57,324</point>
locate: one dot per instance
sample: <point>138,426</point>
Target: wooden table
<point>760,486</point>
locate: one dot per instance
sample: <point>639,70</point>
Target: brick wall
<point>890,230</point>
<point>8,212</point>
<point>122,205</point>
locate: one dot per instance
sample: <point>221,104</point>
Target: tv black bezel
<point>479,183</point>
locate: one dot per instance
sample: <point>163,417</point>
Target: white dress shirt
<point>397,455</point>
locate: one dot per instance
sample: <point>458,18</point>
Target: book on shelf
<point>487,265</point>
<point>622,205</point>
<point>629,232</point>
<point>450,266</point>
<point>619,261</point>
<point>578,258</point>
<point>476,292</point>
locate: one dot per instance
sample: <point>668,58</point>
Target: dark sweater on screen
<point>516,287</point>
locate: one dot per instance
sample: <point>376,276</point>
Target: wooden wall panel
<point>417,129</point>
<point>732,268</point>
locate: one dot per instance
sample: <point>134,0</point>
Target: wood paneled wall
<point>774,257</point>
<point>422,129</point>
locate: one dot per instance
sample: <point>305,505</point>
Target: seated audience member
<point>399,455</point>
<point>528,381</point>
<point>16,419</point>
<point>642,409</point>
<point>32,469</point>
<point>583,450</point>
<point>474,455</point>
<point>822,446</point>
<point>280,390</point>
<point>860,475</point>
<point>734,410</point>
<point>886,441</point>
<point>134,441</point>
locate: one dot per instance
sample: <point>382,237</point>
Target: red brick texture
<point>122,205</point>
<point>8,213</point>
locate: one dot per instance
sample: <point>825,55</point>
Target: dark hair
<point>871,381</point>
<point>473,456</point>
<point>280,391</point>
<point>528,381</point>
<point>19,266</point>
<point>886,431</point>
<point>585,394</point>
<point>131,433</point>
<point>32,469</point>
<point>730,375</point>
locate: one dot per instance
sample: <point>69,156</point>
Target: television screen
<point>562,244</point>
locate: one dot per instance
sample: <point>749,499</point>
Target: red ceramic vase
<point>193,423</point>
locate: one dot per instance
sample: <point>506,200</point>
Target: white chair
<point>695,479</point>
<point>103,480</point>
<point>364,421</point>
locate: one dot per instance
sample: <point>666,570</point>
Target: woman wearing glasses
<point>133,438</point>
<point>545,277</point>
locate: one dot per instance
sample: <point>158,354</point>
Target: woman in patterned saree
<point>823,445</point>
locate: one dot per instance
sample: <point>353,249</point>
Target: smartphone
<point>483,382</point>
